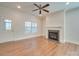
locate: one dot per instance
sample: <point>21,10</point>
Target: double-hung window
<point>30,27</point>
<point>34,27</point>
<point>8,24</point>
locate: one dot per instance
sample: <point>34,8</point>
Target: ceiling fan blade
<point>36,5</point>
<point>45,10</point>
<point>39,11</point>
<point>45,5</point>
<point>35,9</point>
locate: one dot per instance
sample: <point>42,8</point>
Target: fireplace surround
<point>61,32</point>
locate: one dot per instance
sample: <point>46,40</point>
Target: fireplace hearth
<point>53,34</point>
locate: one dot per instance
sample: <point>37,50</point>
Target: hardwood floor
<point>38,46</point>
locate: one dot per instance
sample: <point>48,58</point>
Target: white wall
<point>72,26</point>
<point>43,18</point>
<point>55,19</point>
<point>18,30</point>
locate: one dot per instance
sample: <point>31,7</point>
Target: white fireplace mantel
<point>55,26</point>
<point>61,32</point>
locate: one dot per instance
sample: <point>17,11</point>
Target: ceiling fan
<point>41,8</point>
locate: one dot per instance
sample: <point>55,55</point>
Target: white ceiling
<point>28,6</point>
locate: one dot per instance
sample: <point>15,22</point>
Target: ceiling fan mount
<point>41,8</point>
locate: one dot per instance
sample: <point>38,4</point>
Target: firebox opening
<point>53,34</point>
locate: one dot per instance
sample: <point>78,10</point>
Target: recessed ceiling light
<point>18,6</point>
<point>67,3</point>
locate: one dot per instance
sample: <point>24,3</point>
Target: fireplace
<point>53,34</point>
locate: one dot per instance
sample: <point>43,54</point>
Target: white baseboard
<point>6,41</point>
<point>16,39</point>
<point>74,42</point>
<point>27,37</point>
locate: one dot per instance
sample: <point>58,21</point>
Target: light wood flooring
<point>38,46</point>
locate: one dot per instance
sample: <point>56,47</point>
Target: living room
<point>36,28</point>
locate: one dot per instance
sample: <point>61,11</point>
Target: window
<point>34,27</point>
<point>30,27</point>
<point>8,24</point>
